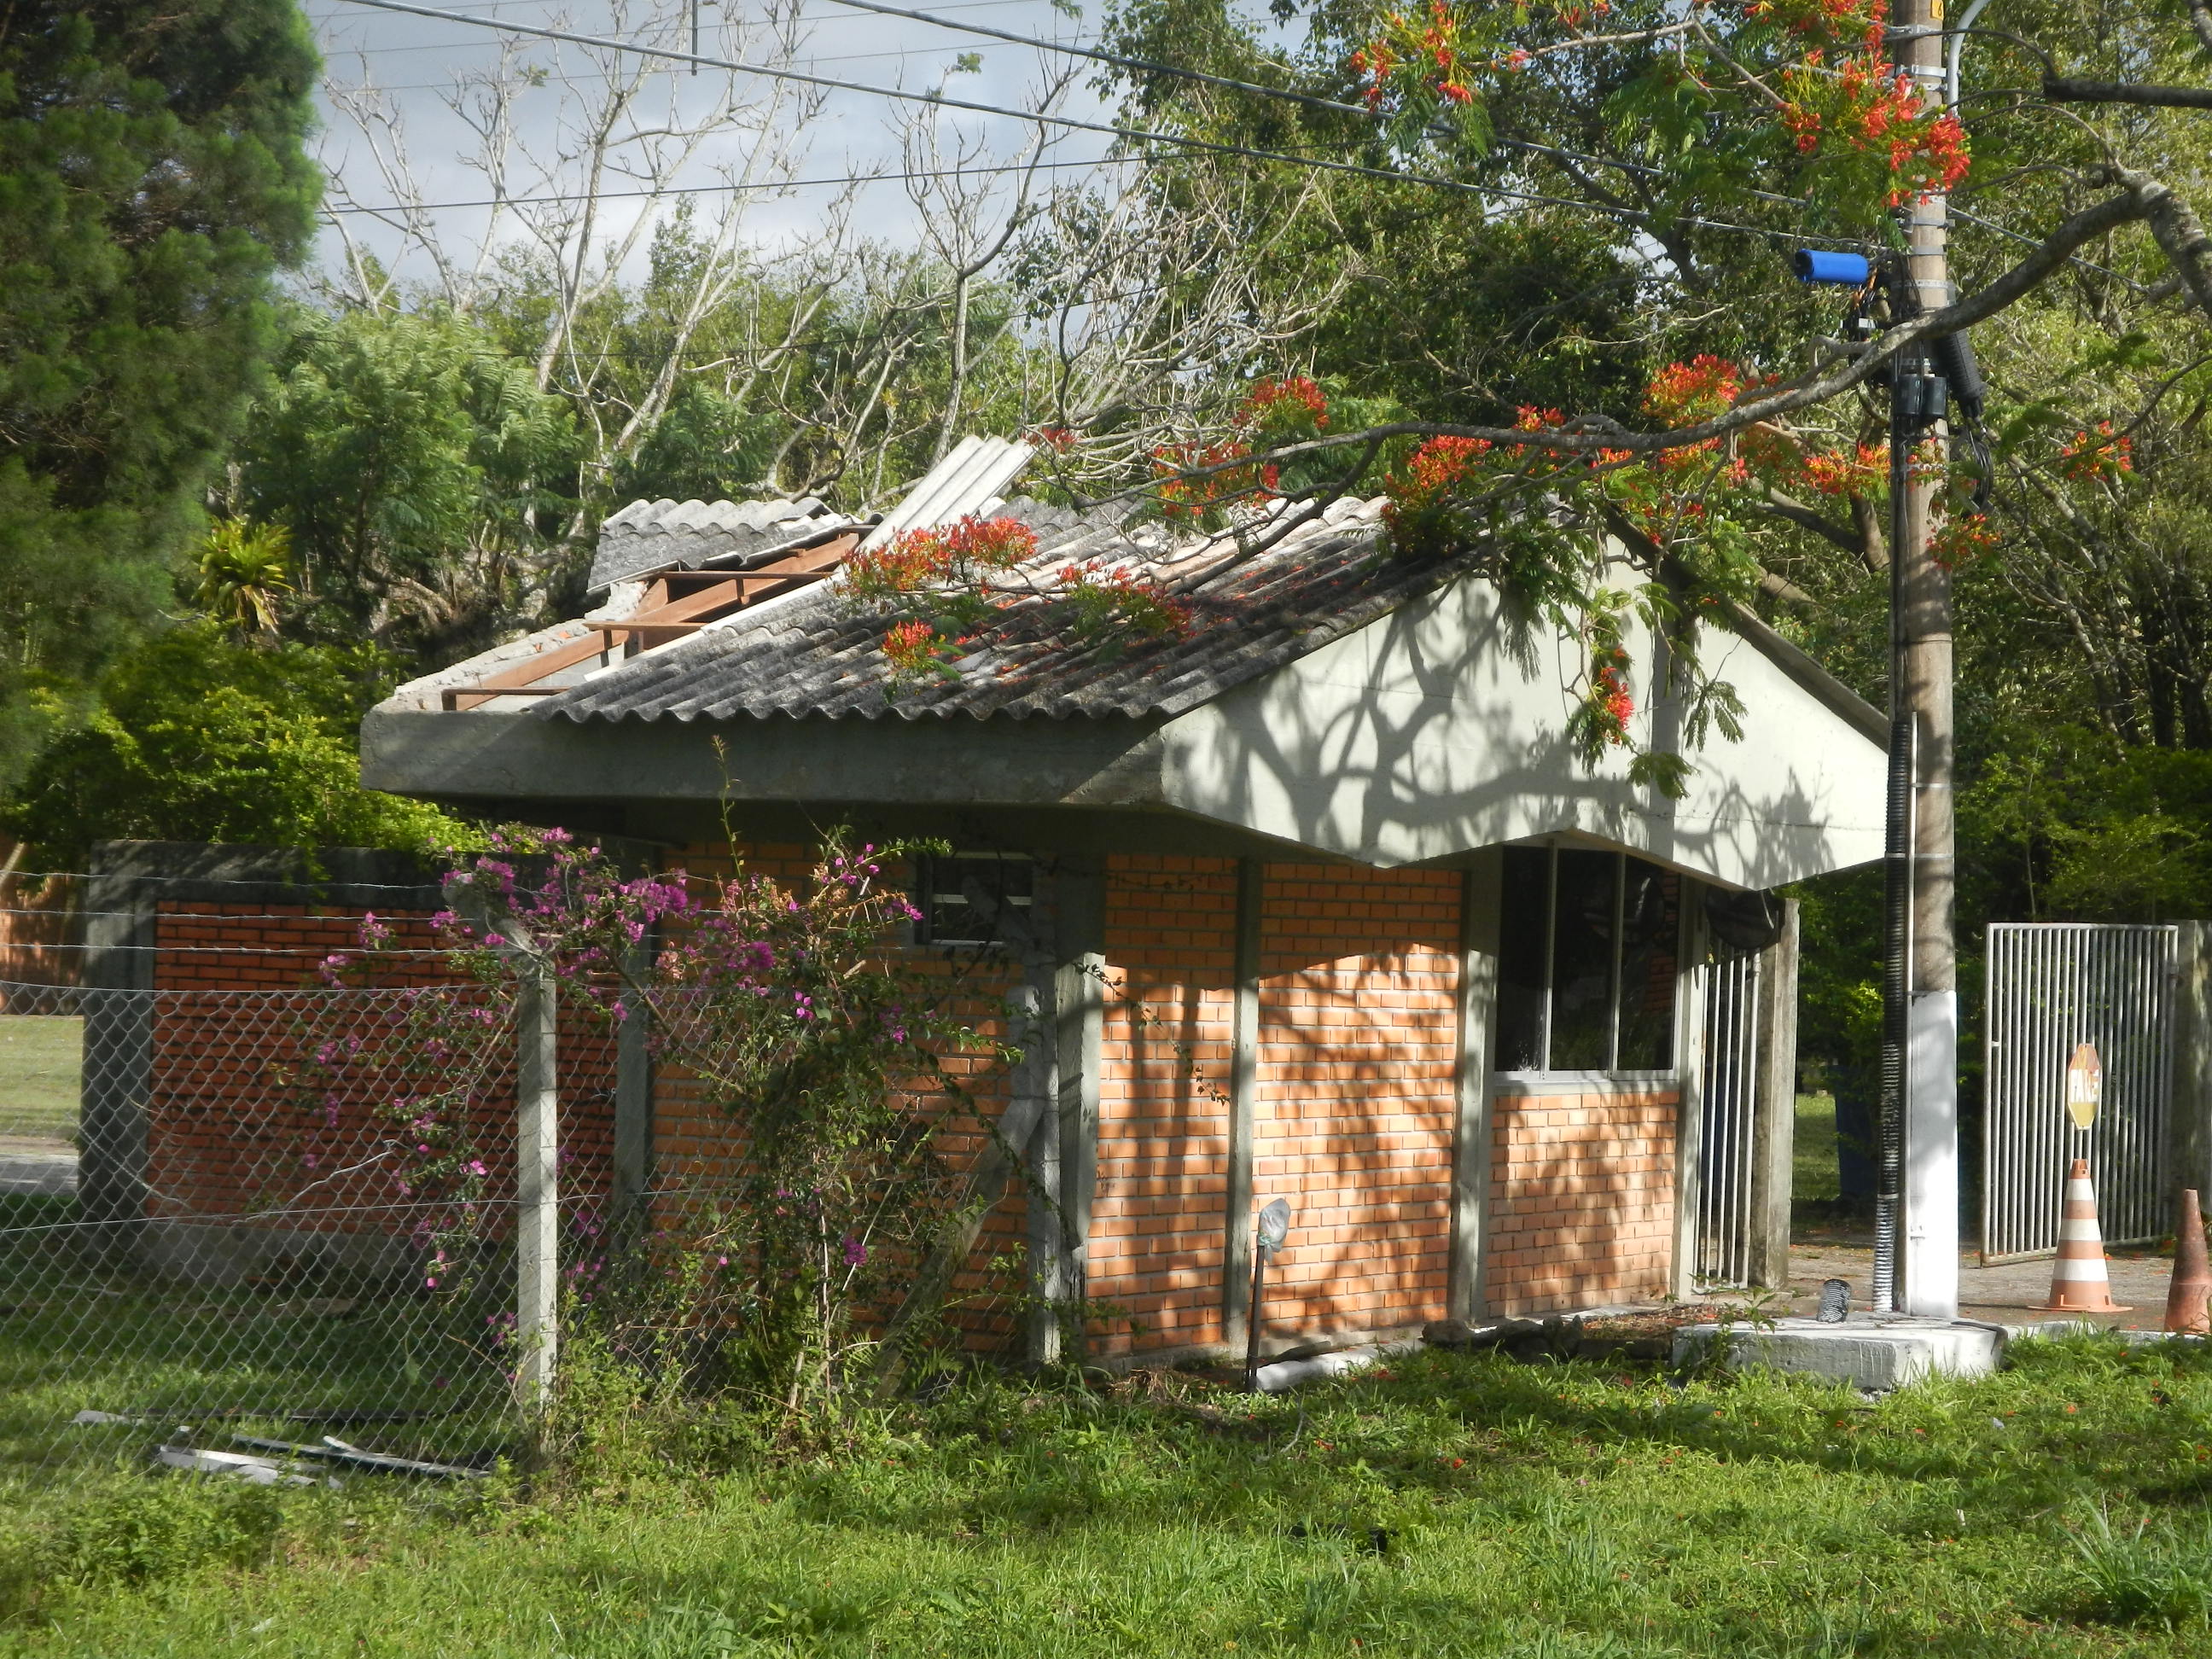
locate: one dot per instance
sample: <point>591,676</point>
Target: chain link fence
<point>274,1224</point>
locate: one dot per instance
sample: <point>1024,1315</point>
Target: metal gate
<point>1728,1100</point>
<point>2052,985</point>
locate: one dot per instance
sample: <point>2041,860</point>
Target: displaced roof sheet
<point>650,536</point>
<point>821,652</point>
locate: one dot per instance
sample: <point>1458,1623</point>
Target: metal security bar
<point>1727,1108</point>
<point>2051,986</point>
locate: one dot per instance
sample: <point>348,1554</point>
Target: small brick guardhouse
<point>1316,895</point>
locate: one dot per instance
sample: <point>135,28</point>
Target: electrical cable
<point>1142,135</point>
<point>713,190</point>
<point>831,83</point>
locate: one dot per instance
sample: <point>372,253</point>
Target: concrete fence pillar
<point>536,1181</point>
<point>116,1084</point>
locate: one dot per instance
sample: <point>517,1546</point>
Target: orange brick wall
<point>1581,1198</point>
<point>1358,1044</point>
<point>1155,1249</point>
<point>1356,1100</point>
<point>276,1105</point>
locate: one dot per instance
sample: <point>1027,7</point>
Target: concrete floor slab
<point>1866,1351</point>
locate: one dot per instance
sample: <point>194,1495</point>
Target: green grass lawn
<point>1813,1175</point>
<point>1457,1505</point>
<point>38,1063</point>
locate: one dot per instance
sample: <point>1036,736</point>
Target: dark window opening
<point>962,898</point>
<point>1586,962</point>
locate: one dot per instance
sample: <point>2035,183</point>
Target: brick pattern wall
<point>1155,1249</point>
<point>1358,1043</point>
<point>271,1095</point>
<point>1582,1199</point>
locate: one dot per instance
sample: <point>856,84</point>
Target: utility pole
<point>1920,697</point>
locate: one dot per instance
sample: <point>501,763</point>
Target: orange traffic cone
<point>2192,1275</point>
<point>2079,1283</point>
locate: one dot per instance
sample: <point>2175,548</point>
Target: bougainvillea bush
<point>781,1011</point>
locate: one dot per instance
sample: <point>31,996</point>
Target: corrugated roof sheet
<point>820,653</point>
<point>649,536</point>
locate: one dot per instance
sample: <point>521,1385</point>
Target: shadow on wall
<point>1444,726</point>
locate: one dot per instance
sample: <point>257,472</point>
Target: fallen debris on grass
<point>335,1450</point>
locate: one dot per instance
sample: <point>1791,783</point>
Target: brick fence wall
<point>274,1095</point>
<point>38,937</point>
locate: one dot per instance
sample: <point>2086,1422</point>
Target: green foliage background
<point>152,179</point>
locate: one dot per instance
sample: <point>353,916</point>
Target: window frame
<point>1523,1079</point>
<point>922,892</point>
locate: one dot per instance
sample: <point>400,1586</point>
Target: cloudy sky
<point>416,65</point>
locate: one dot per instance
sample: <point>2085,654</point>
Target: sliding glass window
<point>1587,944</point>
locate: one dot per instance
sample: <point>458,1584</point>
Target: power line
<point>715,189</point>
<point>1035,117</point>
<point>1140,134</point>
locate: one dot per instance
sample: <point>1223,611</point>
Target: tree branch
<point>2141,198</point>
<point>1807,518</point>
<point>2061,90</point>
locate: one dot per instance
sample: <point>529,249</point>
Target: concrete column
<point>1243,1098</point>
<point>1774,1107</point>
<point>2189,1128</point>
<point>1930,1255</point>
<point>1471,1134</point>
<point>536,1181</point>
<point>1081,998</point>
<point>116,1083</point>
<point>1033,1010</point>
<point>1047,1236</point>
<point>1689,1072</point>
<point>633,1127</point>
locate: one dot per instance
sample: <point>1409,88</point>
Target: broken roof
<point>818,651</point>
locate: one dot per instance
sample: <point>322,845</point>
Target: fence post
<point>1079,916</point>
<point>2191,1127</point>
<point>537,1180</point>
<point>1466,1289</point>
<point>117,1061</point>
<point>1774,1108</point>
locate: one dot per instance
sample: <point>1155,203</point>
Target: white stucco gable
<point>1443,726</point>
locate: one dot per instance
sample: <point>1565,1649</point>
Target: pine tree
<point>153,179</point>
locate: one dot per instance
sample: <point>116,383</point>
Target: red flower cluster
<point>915,559</point>
<point>1961,538</point>
<point>1294,396</point>
<point>1868,104</point>
<point>2099,455</point>
<point>1104,602</point>
<point>1682,394</point>
<point>1834,472</point>
<point>1609,695</point>
<point>1193,498</point>
<point>913,648</point>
